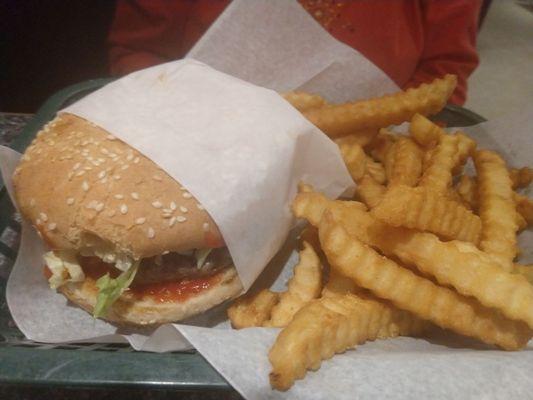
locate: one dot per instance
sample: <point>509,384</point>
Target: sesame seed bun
<point>76,183</point>
<point>83,188</point>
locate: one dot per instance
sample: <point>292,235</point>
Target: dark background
<point>49,44</point>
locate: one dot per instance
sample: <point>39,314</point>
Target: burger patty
<point>170,267</point>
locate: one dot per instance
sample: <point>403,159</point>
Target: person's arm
<point>146,33</point>
<point>450,28</point>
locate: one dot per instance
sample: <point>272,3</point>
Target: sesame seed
<point>112,155</point>
<point>124,167</point>
<point>101,174</point>
<point>186,195</point>
<point>85,186</point>
<point>103,180</point>
<point>129,157</point>
<point>80,173</point>
<point>101,160</point>
<point>206,226</point>
<point>157,204</point>
<point>76,166</point>
<point>165,252</point>
<point>87,168</point>
<point>157,178</point>
<point>150,233</point>
<point>199,206</point>
<point>166,215</point>
<point>70,175</point>
<point>99,207</point>
<point>182,188</point>
<point>184,209</point>
<point>140,221</point>
<point>110,137</point>
<point>111,213</point>
<point>181,219</point>
<point>91,205</point>
<point>95,163</point>
<point>172,221</point>
<point>43,216</point>
<point>38,221</point>
<point>123,209</point>
<point>135,195</point>
<point>116,177</point>
<point>173,206</point>
<point>167,210</point>
<point>52,226</point>
<point>70,201</point>
<point>103,150</point>
<point>136,161</point>
<point>32,202</point>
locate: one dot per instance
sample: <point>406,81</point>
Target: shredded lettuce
<point>201,256</point>
<point>110,289</point>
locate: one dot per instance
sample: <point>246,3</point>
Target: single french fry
<point>440,305</point>
<point>305,285</point>
<point>338,284</point>
<point>403,165</point>
<point>343,119</point>
<point>496,208</point>
<point>304,101</point>
<point>425,210</point>
<point>424,132</point>
<point>332,325</point>
<point>521,177</point>
<point>438,175</point>
<point>370,192</point>
<point>252,309</point>
<point>355,159</point>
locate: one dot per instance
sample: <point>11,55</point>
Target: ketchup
<point>168,292</point>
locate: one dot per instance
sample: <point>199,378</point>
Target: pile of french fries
<point>421,245</point>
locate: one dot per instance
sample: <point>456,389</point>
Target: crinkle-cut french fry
<point>304,101</point>
<point>252,309</point>
<point>424,132</point>
<point>370,192</point>
<point>403,164</point>
<point>375,170</point>
<point>524,206</point>
<point>522,177</point>
<point>461,265</point>
<point>525,270</point>
<point>496,208</point>
<point>426,210</point>
<point>426,158</point>
<point>332,325</point>
<point>438,174</point>
<point>305,285</point>
<point>380,144</point>
<point>343,119</point>
<point>467,189</point>
<point>355,159</point>
<point>362,137</point>
<point>311,206</point>
<point>442,306</point>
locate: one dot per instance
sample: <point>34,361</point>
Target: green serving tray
<point>102,365</point>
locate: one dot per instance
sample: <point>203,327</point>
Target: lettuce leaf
<point>201,256</point>
<point>110,289</point>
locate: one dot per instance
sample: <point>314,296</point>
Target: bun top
<point>82,187</point>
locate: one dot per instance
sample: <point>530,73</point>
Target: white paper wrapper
<point>288,50</point>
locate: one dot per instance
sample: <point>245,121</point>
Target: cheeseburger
<point>127,242</point>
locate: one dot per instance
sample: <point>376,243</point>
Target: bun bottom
<point>148,311</point>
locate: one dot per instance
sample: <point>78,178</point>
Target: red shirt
<point>413,41</point>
